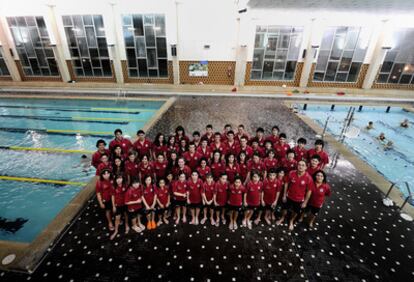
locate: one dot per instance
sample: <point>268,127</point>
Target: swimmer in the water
<point>388,146</point>
<point>404,123</point>
<point>85,164</point>
<point>382,137</point>
<point>370,125</point>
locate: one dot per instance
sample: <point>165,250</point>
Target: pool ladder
<point>121,95</point>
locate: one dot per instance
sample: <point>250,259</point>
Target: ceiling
<point>365,6</point>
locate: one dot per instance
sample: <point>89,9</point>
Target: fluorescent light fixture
<point>157,28</point>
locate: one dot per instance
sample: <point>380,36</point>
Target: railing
<point>388,202</point>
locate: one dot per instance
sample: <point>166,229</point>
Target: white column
<point>57,44</point>
<point>378,55</point>
<point>175,59</point>
<point>115,48</point>
<point>6,47</point>
<point>311,49</point>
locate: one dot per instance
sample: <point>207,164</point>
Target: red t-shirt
<point>219,147</point>
<point>253,191</point>
<point>124,143</point>
<point>322,154</point>
<point>281,150</point>
<point>119,194</point>
<point>205,152</point>
<point>149,194</point>
<point>259,150</point>
<point>274,139</point>
<point>170,149</point>
<point>318,195</point>
<point>270,163</point>
<point>209,138</point>
<point>104,187</point>
<point>244,170</point>
<point>177,170</point>
<point>145,170</point>
<point>162,194</point>
<point>192,160</point>
<point>220,191</point>
<point>312,170</point>
<point>259,167</point>
<point>203,172</point>
<point>248,150</point>
<point>160,169</point>
<point>232,172</point>
<point>270,189</point>
<point>143,148</point>
<point>236,195</point>
<point>289,165</point>
<point>298,186</point>
<point>232,148</point>
<point>217,169</point>
<point>132,195</point>
<point>159,149</point>
<point>300,153</point>
<point>103,166</point>
<point>194,191</point>
<point>96,157</point>
<point>208,190</point>
<point>131,168</point>
<point>179,187</point>
<point>260,141</point>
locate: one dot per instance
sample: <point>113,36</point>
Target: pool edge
<point>373,175</point>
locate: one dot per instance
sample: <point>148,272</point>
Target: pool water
<point>26,208</point>
<point>397,164</point>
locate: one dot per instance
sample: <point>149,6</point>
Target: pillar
<point>378,54</point>
<point>6,47</point>
<point>113,26</point>
<point>57,45</point>
<point>311,49</point>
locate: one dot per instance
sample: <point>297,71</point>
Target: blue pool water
<point>26,208</point>
<point>397,164</point>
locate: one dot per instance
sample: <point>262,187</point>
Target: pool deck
<point>356,238</point>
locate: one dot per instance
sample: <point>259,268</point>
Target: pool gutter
<point>372,174</point>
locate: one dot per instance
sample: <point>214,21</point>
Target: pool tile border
<point>30,255</point>
<point>373,175</point>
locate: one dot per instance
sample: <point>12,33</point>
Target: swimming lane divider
<point>82,110</point>
<point>39,180</point>
<point>48,150</point>
<point>106,119</point>
<point>77,119</point>
<point>102,134</point>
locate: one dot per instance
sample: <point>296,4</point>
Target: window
<point>341,54</point>
<point>86,39</point>
<point>33,46</point>
<point>145,44</point>
<point>3,68</point>
<point>398,65</point>
<point>276,52</point>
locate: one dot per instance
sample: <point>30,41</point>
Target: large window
<point>146,45</point>
<point>86,39</point>
<point>3,68</point>
<point>398,66</point>
<point>341,54</point>
<point>33,46</point>
<point>276,52</point>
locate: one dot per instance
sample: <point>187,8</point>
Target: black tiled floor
<point>356,238</point>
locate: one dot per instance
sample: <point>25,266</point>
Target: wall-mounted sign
<point>198,69</point>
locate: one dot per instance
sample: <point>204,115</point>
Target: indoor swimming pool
<point>395,164</point>
<point>28,205</point>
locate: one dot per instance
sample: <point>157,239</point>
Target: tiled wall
<point>292,83</point>
<point>357,84</point>
<point>90,78</point>
<point>155,80</point>
<point>219,72</point>
<point>35,78</point>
